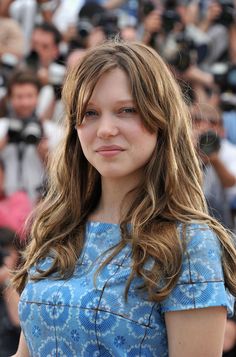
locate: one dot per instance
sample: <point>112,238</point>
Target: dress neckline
<point>92,222</point>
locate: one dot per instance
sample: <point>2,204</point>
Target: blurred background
<point>41,39</point>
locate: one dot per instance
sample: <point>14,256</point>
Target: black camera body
<point>169,17</point>
<point>209,142</point>
<point>107,21</point>
<point>28,131</point>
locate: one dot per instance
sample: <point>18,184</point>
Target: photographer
<point>45,50</point>
<point>25,142</point>
<point>170,29</point>
<point>95,24</point>
<point>219,158</point>
<point>216,23</point>
<point>9,326</point>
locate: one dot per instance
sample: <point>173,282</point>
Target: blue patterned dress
<point>69,318</point>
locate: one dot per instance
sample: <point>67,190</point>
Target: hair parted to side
<point>169,193</point>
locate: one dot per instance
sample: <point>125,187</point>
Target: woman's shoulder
<point>197,233</point>
<point>194,226</point>
<point>199,240</point>
<point>201,243</point>
<point>201,280</point>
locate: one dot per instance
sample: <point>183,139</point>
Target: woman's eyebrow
<point>120,101</point>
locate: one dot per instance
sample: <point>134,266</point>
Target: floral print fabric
<point>77,317</point>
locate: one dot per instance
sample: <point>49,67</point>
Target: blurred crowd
<point>41,39</point>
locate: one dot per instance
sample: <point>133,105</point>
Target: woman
<point>124,259</point>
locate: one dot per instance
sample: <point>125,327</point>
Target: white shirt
<point>24,169</point>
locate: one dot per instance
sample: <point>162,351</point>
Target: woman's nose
<point>107,127</point>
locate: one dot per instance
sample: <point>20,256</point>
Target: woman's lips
<point>109,151</point>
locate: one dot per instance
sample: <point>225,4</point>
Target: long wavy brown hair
<point>170,191</point>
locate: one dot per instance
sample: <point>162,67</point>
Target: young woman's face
<point>112,135</point>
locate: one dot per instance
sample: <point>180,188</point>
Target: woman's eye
<point>130,110</point>
<point>90,113</point>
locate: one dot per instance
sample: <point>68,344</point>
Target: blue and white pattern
<point>70,318</point>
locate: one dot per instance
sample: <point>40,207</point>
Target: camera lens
<point>32,133</point>
<point>14,130</point>
<point>209,142</point>
<point>84,28</point>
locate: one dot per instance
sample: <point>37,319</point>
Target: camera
<point>84,27</point>
<point>106,20</point>
<point>8,62</point>
<point>225,77</point>
<point>56,75</point>
<point>93,15</point>
<point>178,51</point>
<point>28,131</point>
<point>209,142</point>
<point>169,17</point>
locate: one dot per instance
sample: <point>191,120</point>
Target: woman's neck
<point>115,201</point>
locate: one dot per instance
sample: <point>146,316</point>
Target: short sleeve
<point>201,281</point>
